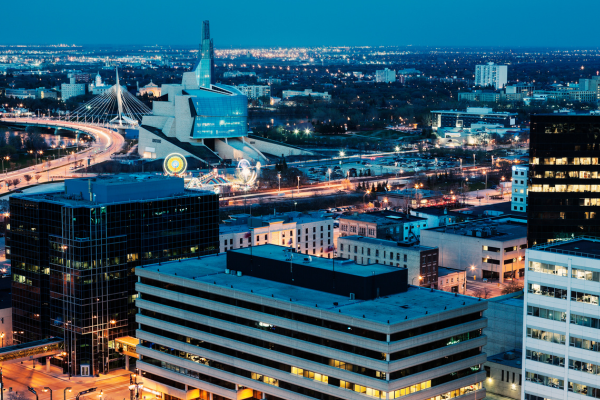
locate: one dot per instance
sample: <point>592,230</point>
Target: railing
<point>550,246</point>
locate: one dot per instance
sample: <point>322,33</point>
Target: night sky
<point>287,23</point>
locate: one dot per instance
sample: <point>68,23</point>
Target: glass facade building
<point>564,190</point>
<point>73,264</point>
<point>221,112</point>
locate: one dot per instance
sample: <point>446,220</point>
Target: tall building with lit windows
<point>73,255</point>
<point>561,333</point>
<point>564,190</point>
<point>266,322</point>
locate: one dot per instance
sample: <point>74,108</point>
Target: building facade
<point>464,119</point>
<point>385,224</point>
<point>491,248</point>
<point>307,233</point>
<point>504,373</point>
<point>564,193</point>
<point>73,254</point>
<point>385,75</point>
<point>288,94</point>
<point>520,191</point>
<point>205,333</point>
<point>561,335</point>
<point>255,91</point>
<point>71,89</point>
<point>491,74</point>
<point>420,261</point>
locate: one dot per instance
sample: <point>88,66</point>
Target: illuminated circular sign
<point>174,164</point>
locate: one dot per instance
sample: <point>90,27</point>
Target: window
<point>266,237</point>
<point>241,241</point>
<point>492,249</point>
<point>545,380</point>
<point>548,268</point>
<point>584,297</point>
<point>547,314</point>
<point>585,274</point>
<point>545,358</point>
<point>405,258</point>
<point>547,336</point>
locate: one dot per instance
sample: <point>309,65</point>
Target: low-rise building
<point>268,323</point>
<point>384,224</point>
<point>464,119</point>
<point>519,188</point>
<point>452,280</point>
<point>421,261</point>
<point>436,216</point>
<point>288,94</point>
<point>490,248</point>
<point>504,374</point>
<point>310,233</point>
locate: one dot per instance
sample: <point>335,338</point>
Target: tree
<point>27,178</point>
<point>37,177</point>
<point>16,181</point>
<point>512,286</point>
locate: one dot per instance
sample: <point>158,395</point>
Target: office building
<point>204,120</point>
<point>73,254</point>
<point>71,89</point>
<point>310,233</point>
<point>564,191</point>
<point>385,75</point>
<point>420,261</point>
<point>473,115</point>
<point>562,320</point>
<point>263,322</point>
<point>288,94</point>
<point>490,248</point>
<point>520,191</point>
<point>384,224</point>
<point>491,74</point>
<point>236,74</point>
<point>255,91</point>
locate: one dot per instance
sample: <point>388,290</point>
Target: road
<point>107,142</point>
<point>19,376</point>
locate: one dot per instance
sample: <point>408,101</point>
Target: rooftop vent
<point>510,355</point>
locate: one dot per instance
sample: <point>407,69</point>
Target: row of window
<point>565,188</point>
<point>362,251</point>
<point>584,366</point>
<point>545,380</point>
<point>552,269</point>
<point>545,358</point>
<point>565,161</point>
<point>546,313</point>
<point>548,336</point>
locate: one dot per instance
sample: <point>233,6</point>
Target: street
<point>17,377</point>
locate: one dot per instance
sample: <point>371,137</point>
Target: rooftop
<point>396,308</point>
<point>494,228</point>
<point>383,242</point>
<point>516,299</point>
<point>512,358</point>
<point>447,271</point>
<point>383,217</point>
<point>580,246</point>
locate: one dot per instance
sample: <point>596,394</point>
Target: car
<point>5,275</point>
<point>494,187</point>
<point>18,191</point>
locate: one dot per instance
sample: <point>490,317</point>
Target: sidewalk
<point>57,372</point>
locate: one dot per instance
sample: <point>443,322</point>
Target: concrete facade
<point>421,261</point>
<point>505,323</point>
<point>561,333</point>
<point>452,280</point>
<point>504,374</point>
<point>195,346</point>
<point>311,234</point>
<point>491,248</point>
<point>383,225</point>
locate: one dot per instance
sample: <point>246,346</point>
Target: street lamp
<point>329,176</point>
<point>366,193</point>
<point>47,389</point>
<point>413,280</point>
<point>4,158</point>
<point>298,184</point>
<point>279,178</point>
<point>65,392</point>
<point>2,336</point>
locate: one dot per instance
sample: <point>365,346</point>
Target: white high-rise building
<point>491,74</point>
<point>519,188</point>
<point>385,75</point>
<point>561,335</point>
<point>255,91</point>
<point>71,89</point>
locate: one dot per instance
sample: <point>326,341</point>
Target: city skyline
<point>307,25</point>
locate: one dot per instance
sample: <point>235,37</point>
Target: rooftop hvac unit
<point>239,273</point>
<point>307,259</point>
<point>510,355</point>
<point>352,297</point>
<point>227,270</point>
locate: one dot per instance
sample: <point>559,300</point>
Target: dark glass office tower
<point>564,185</point>
<point>73,256</point>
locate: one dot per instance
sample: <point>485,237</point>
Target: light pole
<point>412,282</point>
<point>65,392</point>
<point>47,389</point>
<point>329,175</point>
<point>485,173</point>
<point>366,193</point>
<point>279,178</point>
<point>4,158</point>
<point>298,184</point>
<point>2,336</point>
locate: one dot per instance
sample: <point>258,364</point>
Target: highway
<point>107,143</point>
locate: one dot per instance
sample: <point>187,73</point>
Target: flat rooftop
<point>496,208</point>
<point>281,253</point>
<point>383,217</point>
<point>383,242</point>
<point>501,228</point>
<point>583,247</point>
<point>447,271</point>
<point>515,358</point>
<point>395,308</point>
